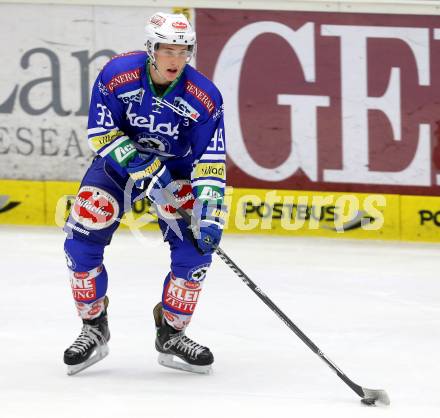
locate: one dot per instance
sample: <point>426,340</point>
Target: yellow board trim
<point>420,216</point>
<point>22,202</point>
<point>258,211</point>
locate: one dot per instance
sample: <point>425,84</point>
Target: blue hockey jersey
<point>184,127</point>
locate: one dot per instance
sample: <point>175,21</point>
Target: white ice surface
<point>371,307</point>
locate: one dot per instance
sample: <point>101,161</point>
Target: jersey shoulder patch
<point>123,70</point>
<point>201,91</point>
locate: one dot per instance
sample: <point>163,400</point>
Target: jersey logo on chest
<point>149,122</point>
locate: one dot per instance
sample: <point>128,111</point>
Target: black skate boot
<point>171,342</point>
<point>90,346</point>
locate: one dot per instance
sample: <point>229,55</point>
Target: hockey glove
<point>153,177</point>
<point>208,219</point>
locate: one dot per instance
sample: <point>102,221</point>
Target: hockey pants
<point>95,215</point>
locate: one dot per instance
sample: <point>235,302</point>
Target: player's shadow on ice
<point>146,375</point>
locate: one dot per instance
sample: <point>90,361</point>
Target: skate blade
<point>167,360</point>
<point>100,353</point>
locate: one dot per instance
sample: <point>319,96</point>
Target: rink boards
<point>259,211</point>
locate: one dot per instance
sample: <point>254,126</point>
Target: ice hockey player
<point>155,124</point>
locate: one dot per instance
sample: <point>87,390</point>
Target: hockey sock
<point>89,289</point>
<point>179,299</point>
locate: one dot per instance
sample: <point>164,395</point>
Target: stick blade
<point>371,396</point>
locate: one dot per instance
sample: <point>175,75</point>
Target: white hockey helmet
<point>169,29</point>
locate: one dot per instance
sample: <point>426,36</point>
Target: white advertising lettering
<point>210,193</point>
<point>356,103</point>
<point>186,108</point>
<point>200,95</point>
<point>94,208</point>
<point>84,203</point>
<point>181,298</point>
<point>132,96</point>
<point>123,152</point>
<point>103,89</point>
<point>183,294</point>
<point>352,99</point>
<point>218,112</point>
<point>227,76</point>
<point>83,289</point>
<point>121,79</point>
<point>149,123</point>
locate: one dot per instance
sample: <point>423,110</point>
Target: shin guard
<point>89,288</point>
<point>179,300</point>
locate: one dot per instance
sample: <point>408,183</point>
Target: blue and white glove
<point>153,178</point>
<point>207,221</point>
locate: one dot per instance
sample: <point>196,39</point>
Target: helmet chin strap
<point>153,63</point>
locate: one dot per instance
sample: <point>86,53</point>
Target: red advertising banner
<point>327,101</point>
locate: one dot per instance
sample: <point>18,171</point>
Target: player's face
<point>170,60</point>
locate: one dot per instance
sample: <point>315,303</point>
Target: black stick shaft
<point>274,308</point>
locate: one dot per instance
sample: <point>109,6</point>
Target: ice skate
<point>90,346</point>
<point>176,350</point>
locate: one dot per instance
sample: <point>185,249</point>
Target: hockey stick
<point>369,396</point>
